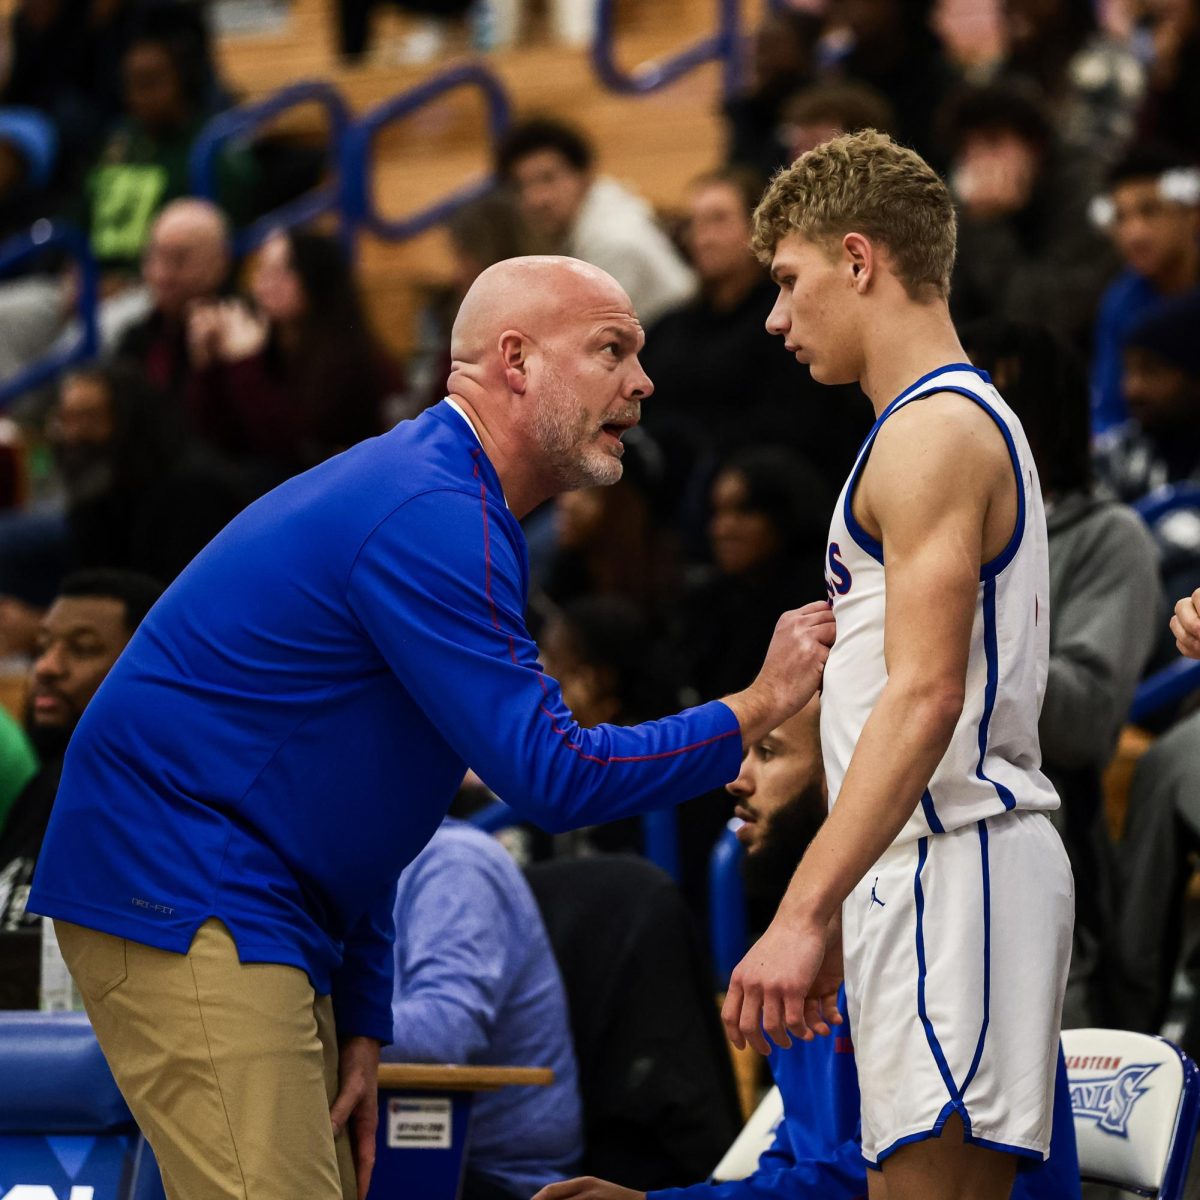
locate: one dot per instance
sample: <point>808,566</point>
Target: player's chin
<point>830,374</point>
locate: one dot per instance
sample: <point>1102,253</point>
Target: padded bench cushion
<point>55,1079</point>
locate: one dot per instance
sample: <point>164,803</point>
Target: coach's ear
<point>513,360</point>
<point>860,260</point>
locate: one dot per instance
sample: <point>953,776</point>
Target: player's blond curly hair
<point>865,183</point>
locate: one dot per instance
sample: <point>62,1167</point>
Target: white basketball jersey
<point>994,758</point>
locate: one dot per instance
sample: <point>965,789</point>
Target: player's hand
<point>1185,625</point>
<point>587,1188</point>
<point>357,1102</point>
<point>786,985</point>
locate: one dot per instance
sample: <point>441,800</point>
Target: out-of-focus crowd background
<point>197,303</point>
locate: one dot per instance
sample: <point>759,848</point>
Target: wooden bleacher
<point>657,143</point>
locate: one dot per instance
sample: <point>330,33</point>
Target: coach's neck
<point>525,482</point>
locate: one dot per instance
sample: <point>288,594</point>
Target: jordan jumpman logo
<point>874,898</point>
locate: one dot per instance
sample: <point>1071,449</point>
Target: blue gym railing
<point>238,124</point>
<point>728,925</point>
<point>20,249</point>
<point>723,46</point>
<point>357,193</point>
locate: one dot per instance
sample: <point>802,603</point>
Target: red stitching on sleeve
<point>512,653</point>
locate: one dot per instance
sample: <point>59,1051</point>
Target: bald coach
<point>289,725</point>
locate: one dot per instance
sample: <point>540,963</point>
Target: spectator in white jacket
<point>550,167</point>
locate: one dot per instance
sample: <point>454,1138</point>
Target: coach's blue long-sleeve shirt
<point>288,725</point>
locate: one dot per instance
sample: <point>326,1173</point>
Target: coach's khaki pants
<point>229,1070</point>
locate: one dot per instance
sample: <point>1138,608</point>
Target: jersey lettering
<point>840,580</point>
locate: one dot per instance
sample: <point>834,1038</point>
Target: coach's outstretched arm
<point>933,467</point>
<point>438,588</point>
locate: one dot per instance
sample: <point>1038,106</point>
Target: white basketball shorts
<point>957,947</point>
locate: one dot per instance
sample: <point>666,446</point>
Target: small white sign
<point>418,1123</point>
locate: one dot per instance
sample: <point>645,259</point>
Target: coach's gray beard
<point>563,430</point>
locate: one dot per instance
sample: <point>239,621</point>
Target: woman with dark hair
<point>767,531</point>
<point>297,377</point>
<point>1104,597</point>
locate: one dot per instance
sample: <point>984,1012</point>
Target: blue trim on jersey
<point>930,1036</point>
<point>865,541</point>
<point>987,957</point>
<point>992,655</point>
<point>931,818</point>
<point>926,1134</point>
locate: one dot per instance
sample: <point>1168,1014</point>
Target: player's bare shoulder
<point>945,439</point>
<point>939,455</point>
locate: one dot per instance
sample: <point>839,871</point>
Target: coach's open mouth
<point>616,428</point>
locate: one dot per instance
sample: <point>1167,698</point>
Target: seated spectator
<point>137,497</point>
<point>1152,212</point>
<point>1026,248</point>
<point>141,168</point>
<point>891,46</point>
<point>767,535</point>
<point>659,1101</point>
<point>612,541</point>
<point>145,163</point>
<point>1104,601</point>
<point>298,377</point>
<point>722,381</point>
<point>187,262</point>
<point>1160,382</point>
<point>79,639</point>
<point>817,1151</point>
<point>550,166</point>
<point>476,982</point>
<point>1171,111</point>
<point>1160,443</point>
<point>826,110</point>
<point>1092,81</point>
<point>784,60</point>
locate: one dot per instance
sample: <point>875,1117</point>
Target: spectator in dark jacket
<point>187,262</point>
<point>1027,249</point>
<point>1105,608</point>
<point>720,379</point>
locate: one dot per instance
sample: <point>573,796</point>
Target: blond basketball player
<point>937,874</point>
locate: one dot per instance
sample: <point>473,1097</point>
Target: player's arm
<point>927,488</point>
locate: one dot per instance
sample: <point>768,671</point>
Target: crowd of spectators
<point>1074,158</point>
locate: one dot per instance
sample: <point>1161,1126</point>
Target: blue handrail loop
<point>724,46</point>
<point>239,123</point>
<point>360,208</point>
<point>728,923</point>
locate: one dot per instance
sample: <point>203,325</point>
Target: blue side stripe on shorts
<point>930,1036</point>
<point>987,956</point>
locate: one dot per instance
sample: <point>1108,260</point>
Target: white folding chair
<point>1136,1101</point>
<point>741,1159</point>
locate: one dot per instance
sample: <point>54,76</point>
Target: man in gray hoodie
<point>1105,606</point>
